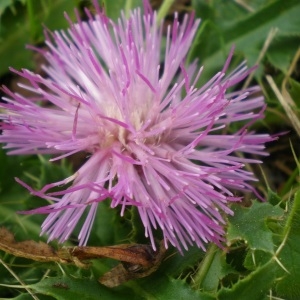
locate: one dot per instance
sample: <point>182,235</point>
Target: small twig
<point>275,257</point>
<point>285,102</point>
<point>245,5</point>
<point>18,279</point>
<point>164,9</point>
<point>270,37</point>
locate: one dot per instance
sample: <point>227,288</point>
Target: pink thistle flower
<point>153,139</point>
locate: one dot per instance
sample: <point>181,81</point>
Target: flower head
<point>153,138</point>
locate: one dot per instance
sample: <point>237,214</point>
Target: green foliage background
<point>261,258</point>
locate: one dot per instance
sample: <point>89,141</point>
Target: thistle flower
<point>153,137</point>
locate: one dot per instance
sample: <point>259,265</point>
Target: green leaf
<point>165,288</point>
<point>50,171</point>
<point>254,287</point>
<point>110,227</point>
<point>68,288</point>
<point>295,91</point>
<point>10,168</point>
<point>25,27</point>
<point>255,258</point>
<point>288,285</point>
<point>249,224</point>
<point>160,287</point>
<point>35,171</point>
<point>273,197</point>
<point>176,263</point>
<point>283,265</point>
<point>113,8</point>
<point>22,297</point>
<point>3,5</point>
<point>247,32</point>
<point>282,51</point>
<point>217,270</point>
<point>13,197</point>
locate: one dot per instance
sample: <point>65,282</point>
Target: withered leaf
<point>137,260</point>
<point>28,249</point>
<point>132,270</point>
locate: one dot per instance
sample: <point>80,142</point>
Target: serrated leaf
<point>254,287</point>
<point>218,269</point>
<point>176,263</point>
<point>289,284</point>
<point>249,224</point>
<point>255,258</point>
<point>285,262</point>
<point>163,287</point>
<point>273,197</point>
<point>67,288</point>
